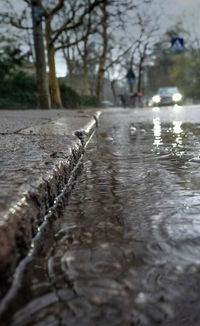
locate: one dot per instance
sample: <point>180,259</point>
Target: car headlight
<point>156,99</point>
<point>177,97</point>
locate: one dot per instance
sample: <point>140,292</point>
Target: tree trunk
<point>114,91</point>
<point>139,86</point>
<point>69,65</point>
<point>41,74</point>
<point>86,86</point>
<point>56,101</point>
<point>102,61</point>
<point>70,76</point>
<point>100,77</point>
<point>139,79</point>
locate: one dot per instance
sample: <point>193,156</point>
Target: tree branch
<point>66,25</point>
<point>57,8</point>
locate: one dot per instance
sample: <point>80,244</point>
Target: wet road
<point>126,248</point>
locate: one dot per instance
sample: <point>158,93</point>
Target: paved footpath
<point>39,150</point>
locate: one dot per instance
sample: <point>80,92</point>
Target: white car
<point>167,96</point>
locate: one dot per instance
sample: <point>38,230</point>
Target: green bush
<point>17,88</point>
<point>90,101</point>
<point>70,98</point>
<point>18,91</point>
<point>24,89</point>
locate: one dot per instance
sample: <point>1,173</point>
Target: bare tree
<point>144,44</point>
<point>73,15</point>
<point>60,16</point>
<point>72,23</point>
<point>21,22</point>
<point>54,89</point>
<point>110,17</point>
<point>69,54</point>
<point>42,80</point>
<point>112,22</point>
<point>78,51</point>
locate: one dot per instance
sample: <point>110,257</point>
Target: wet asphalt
<point>124,248</point>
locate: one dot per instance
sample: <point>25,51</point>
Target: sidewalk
<point>39,150</point>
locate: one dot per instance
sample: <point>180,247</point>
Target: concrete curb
<point>20,223</point>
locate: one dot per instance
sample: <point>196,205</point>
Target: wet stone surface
<point>39,150</point>
<point>24,160</point>
<point>126,248</point>
<point>32,142</point>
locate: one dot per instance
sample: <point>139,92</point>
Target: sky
<point>183,10</point>
<point>171,11</point>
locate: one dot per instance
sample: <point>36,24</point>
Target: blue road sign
<point>37,14</point>
<point>177,44</point>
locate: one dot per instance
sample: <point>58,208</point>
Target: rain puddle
<point>126,248</point>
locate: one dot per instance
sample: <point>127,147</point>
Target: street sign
<point>131,76</point>
<point>177,44</point>
<point>37,14</point>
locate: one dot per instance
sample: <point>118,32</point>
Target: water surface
<point>126,248</point>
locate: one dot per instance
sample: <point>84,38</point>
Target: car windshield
<point>167,91</point>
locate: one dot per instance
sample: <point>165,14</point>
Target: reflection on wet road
<point>126,249</point>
